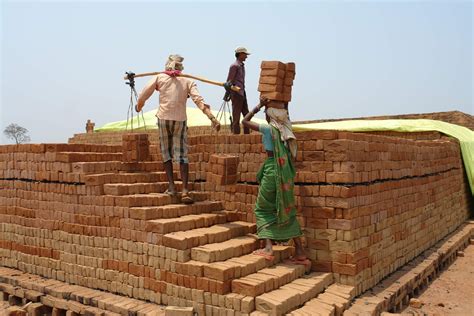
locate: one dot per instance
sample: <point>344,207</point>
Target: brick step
<point>142,166</point>
<point>220,251</point>
<point>185,223</point>
<point>116,166</point>
<point>233,268</point>
<point>268,279</point>
<point>141,188</point>
<point>62,147</point>
<point>86,156</point>
<point>154,199</point>
<point>126,177</point>
<point>174,210</point>
<point>202,236</point>
<point>332,302</point>
<point>292,295</point>
<point>96,167</point>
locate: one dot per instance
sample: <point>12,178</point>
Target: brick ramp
<point>393,293</point>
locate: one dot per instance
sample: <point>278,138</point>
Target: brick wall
<point>367,203</point>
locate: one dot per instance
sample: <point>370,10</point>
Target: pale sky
<point>62,62</point>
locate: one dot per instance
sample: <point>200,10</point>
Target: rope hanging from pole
<point>133,101</point>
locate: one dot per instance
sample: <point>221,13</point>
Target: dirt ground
<point>452,292</point>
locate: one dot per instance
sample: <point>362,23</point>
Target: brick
<point>179,311</point>
<point>272,80</point>
<point>280,73</point>
<point>272,65</point>
<point>263,87</point>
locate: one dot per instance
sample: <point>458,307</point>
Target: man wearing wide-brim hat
<point>239,99</point>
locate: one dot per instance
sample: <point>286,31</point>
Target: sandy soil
<point>452,292</point>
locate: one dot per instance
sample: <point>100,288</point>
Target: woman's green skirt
<point>266,207</point>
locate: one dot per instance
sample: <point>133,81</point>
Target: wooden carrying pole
<point>217,83</point>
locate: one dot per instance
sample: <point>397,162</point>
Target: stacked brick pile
<point>248,148</point>
<point>135,147</point>
<point>115,138</point>
<point>33,295</point>
<point>55,162</point>
<point>222,169</point>
<point>368,204</point>
<point>276,80</point>
<point>361,197</point>
<point>113,230</point>
<point>394,293</point>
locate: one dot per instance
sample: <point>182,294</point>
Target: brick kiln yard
<point>84,230</point>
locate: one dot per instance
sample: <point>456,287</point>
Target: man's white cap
<point>241,49</point>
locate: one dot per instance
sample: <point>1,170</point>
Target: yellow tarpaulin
<point>195,117</point>
<point>463,134</point>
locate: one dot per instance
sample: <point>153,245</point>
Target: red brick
<point>347,269</point>
<point>342,224</point>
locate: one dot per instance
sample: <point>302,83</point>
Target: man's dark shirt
<point>237,75</point>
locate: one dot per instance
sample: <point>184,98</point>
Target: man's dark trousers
<point>239,105</point>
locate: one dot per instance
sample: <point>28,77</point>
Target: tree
<point>16,132</point>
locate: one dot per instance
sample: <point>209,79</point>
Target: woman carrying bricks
<point>275,207</point>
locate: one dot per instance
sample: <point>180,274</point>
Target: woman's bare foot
<point>300,254</point>
<point>266,252</point>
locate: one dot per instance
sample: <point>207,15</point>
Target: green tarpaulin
<point>195,117</point>
<point>463,134</point>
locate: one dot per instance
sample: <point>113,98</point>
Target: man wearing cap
<point>239,99</point>
<point>174,91</point>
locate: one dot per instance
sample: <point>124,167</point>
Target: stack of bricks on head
<point>276,80</point>
<point>135,147</point>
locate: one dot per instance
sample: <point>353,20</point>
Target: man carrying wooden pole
<point>174,90</point>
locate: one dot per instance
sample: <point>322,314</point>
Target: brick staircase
<point>79,216</point>
<point>212,246</point>
<point>201,247</point>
